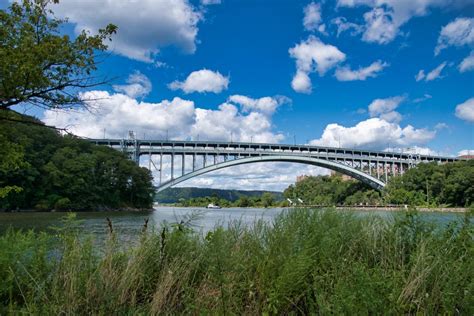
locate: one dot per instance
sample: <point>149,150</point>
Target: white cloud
<point>420,75</point>
<point>383,22</point>
<point>203,80</point>
<point>441,126</point>
<point>227,123</point>
<point>177,119</point>
<point>258,176</point>
<point>467,64</point>
<point>423,98</point>
<point>384,108</point>
<point>432,75</point>
<point>343,26</point>
<point>265,105</point>
<point>143,26</point>
<point>346,74</point>
<point>465,110</point>
<point>210,2</point>
<point>313,55</point>
<point>457,33</point>
<point>118,113</point>
<point>413,150</point>
<point>312,20</point>
<point>466,152</point>
<point>379,26</point>
<point>373,133</point>
<point>301,82</point>
<point>138,86</point>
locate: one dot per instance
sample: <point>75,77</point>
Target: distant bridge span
<point>195,158</point>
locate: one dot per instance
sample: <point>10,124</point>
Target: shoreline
<point>352,208</point>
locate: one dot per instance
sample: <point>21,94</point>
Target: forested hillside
<point>174,195</point>
<point>43,170</point>
<point>429,184</point>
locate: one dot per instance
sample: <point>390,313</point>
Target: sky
<point>393,75</point>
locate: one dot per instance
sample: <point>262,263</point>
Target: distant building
<point>344,177</point>
<point>467,157</point>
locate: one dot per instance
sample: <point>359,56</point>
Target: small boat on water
<point>213,206</point>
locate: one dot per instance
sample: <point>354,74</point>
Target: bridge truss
<point>195,158</point>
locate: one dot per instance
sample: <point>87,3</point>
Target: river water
<point>129,224</point>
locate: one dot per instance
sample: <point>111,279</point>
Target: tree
<point>40,66</point>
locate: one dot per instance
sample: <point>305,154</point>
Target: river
<point>129,224</point>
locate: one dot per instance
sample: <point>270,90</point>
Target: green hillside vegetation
<point>43,170</point>
<point>429,185</point>
<point>266,199</point>
<point>174,195</point>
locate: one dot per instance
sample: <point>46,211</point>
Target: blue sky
<point>357,62</point>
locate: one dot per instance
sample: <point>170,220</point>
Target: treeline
<point>174,195</point>
<point>429,184</point>
<point>267,199</point>
<point>43,170</point>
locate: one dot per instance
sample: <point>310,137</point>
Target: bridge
<point>195,158</point>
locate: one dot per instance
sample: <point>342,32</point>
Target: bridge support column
<point>149,160</point>
<point>172,166</point>
<point>378,170</point>
<point>183,159</point>
<point>393,169</point>
<point>370,169</point>
<point>194,161</point>
<point>385,171</point>
<point>161,167</point>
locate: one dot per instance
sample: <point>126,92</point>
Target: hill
<point>173,195</point>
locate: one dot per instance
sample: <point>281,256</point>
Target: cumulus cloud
<point>138,86</point>
<point>259,176</point>
<point>265,105</point>
<point>432,75</point>
<point>374,133</point>
<point>312,20</point>
<point>203,80</point>
<point>386,17</point>
<point>456,33</point>
<point>118,113</point>
<point>467,63</point>
<point>343,25</point>
<point>466,152</point>
<point>313,55</point>
<point>144,26</point>
<point>465,110</point>
<point>418,150</point>
<point>379,26</point>
<point>385,108</point>
<point>347,74</point>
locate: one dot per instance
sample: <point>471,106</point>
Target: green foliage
<point>304,262</point>
<point>37,64</point>
<point>267,199</point>
<point>332,190</point>
<point>430,184</point>
<point>174,195</point>
<point>66,173</point>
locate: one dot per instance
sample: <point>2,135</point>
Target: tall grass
<point>304,262</point>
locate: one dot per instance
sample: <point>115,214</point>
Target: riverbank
<point>348,208</point>
<point>302,262</point>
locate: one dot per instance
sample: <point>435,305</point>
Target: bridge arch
<point>354,173</point>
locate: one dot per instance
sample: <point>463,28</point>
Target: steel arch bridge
<point>196,158</point>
